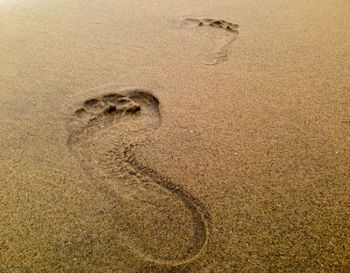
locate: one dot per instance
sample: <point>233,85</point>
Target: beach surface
<point>175,136</point>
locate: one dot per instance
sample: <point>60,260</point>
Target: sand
<point>175,136</point>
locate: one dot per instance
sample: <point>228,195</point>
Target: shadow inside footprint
<point>222,34</point>
<point>157,219</point>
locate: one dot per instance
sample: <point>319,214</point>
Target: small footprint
<point>158,219</point>
<point>221,32</point>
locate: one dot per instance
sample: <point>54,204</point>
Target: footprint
<point>221,32</point>
<point>159,220</point>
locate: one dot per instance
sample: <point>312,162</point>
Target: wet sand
<point>175,136</point>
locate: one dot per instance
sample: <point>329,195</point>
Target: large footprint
<point>156,218</point>
<point>221,32</point>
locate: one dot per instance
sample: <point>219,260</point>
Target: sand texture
<point>175,136</point>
